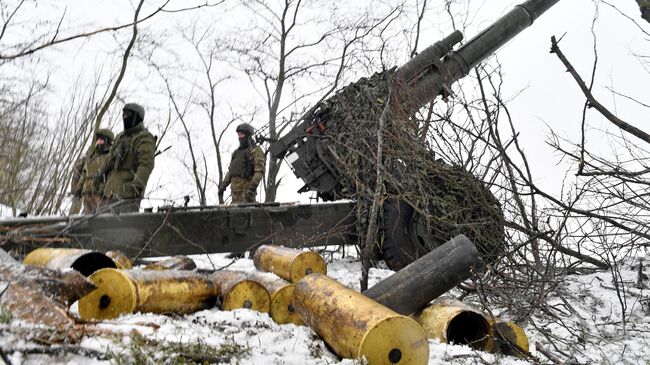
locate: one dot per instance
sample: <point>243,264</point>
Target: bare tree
<point>281,54</point>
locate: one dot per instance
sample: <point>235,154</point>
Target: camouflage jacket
<point>92,182</point>
<point>246,169</point>
<point>129,164</point>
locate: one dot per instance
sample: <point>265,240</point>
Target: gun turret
<point>419,81</point>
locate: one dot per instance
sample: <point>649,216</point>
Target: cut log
<point>63,287</point>
<point>412,288</point>
<point>31,306</point>
<point>37,294</point>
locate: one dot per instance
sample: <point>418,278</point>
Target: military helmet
<point>246,129</point>
<point>136,108</point>
<point>106,133</point>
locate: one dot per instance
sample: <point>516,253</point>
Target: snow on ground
<point>589,329</point>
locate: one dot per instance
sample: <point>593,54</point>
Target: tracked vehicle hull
<point>184,231</point>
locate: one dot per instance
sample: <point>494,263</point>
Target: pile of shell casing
<point>292,286</point>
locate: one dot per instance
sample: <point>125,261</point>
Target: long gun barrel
<point>457,65</point>
<point>416,83</point>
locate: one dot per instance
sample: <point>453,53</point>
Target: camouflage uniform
<point>76,186</point>
<point>93,183</point>
<point>246,169</point>
<point>129,163</point>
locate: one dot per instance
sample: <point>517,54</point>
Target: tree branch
<point>592,100</point>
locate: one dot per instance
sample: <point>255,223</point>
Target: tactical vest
<point>241,164</point>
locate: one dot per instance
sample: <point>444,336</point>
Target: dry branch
<point>592,100</point>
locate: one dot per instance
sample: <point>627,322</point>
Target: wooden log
<point>37,294</point>
<point>31,306</point>
<point>412,288</point>
<point>63,287</point>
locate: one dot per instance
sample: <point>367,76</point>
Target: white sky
<point>550,98</point>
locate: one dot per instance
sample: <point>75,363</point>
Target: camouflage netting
<point>447,199</point>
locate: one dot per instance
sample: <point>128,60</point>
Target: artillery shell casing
<point>120,292</point>
<point>281,292</point>
<point>509,339</point>
<point>237,291</point>
<point>84,261</point>
<point>288,263</point>
<point>412,288</point>
<point>356,326</point>
<point>121,260</point>
<point>449,320</point>
<point>172,263</point>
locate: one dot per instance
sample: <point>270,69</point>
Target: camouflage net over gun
<point>447,200</point>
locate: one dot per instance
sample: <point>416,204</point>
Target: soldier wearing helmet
<point>246,168</point>
<point>129,162</point>
<point>92,188</point>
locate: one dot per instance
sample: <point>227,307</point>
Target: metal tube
<point>460,62</point>
<point>355,326</point>
<point>412,288</point>
<point>424,59</point>
<point>281,292</point>
<point>509,339</point>
<point>120,292</point>
<point>84,261</point>
<point>452,321</point>
<point>288,263</point>
<point>237,291</point>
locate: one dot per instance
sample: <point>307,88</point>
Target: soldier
<point>246,168</point>
<point>129,162</point>
<point>76,186</point>
<point>93,184</point>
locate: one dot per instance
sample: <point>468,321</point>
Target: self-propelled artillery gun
<point>321,151</point>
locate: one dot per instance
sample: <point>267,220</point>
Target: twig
<point>554,358</point>
<point>64,349</point>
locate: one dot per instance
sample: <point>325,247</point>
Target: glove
<point>137,190</point>
<point>252,190</point>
